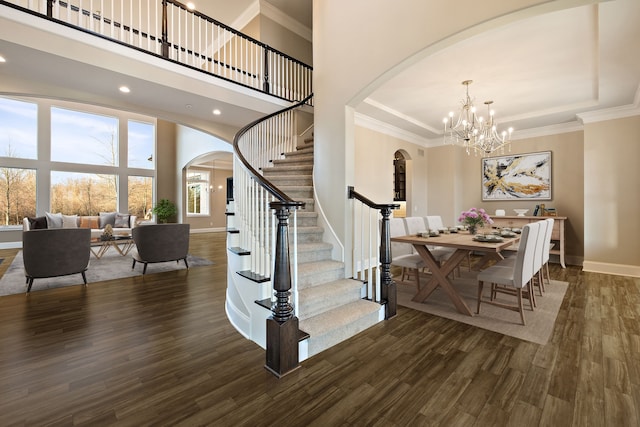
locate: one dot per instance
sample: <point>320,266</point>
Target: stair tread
<point>329,288</point>
<point>313,246</point>
<point>319,266</point>
<point>338,317</point>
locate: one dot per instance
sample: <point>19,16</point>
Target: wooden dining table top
<point>462,240</point>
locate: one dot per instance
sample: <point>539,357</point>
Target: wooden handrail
<point>262,181</point>
<point>388,290</point>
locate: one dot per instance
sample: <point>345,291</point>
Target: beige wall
<point>166,175</point>
<point>612,197</point>
<point>286,41</point>
<point>374,153</point>
<point>454,180</point>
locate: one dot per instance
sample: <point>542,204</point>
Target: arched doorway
<point>401,181</point>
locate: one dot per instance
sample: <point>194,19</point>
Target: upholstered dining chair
<point>517,276</point>
<point>53,252</point>
<point>416,224</point>
<point>537,279</point>
<point>547,249</point>
<point>434,222</point>
<point>402,254</point>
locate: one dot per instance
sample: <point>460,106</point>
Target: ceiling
<point>543,71</point>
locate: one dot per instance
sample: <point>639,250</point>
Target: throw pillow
<point>90,222</point>
<point>39,222</point>
<point>53,220</point>
<point>69,221</point>
<point>122,221</point>
<point>107,218</point>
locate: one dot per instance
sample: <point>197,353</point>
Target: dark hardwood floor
<point>159,350</point>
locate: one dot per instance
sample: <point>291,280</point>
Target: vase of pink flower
<point>474,219</point>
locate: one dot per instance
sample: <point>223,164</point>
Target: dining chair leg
<point>480,286</point>
<point>530,293</point>
<point>520,307</point>
<point>541,280</point>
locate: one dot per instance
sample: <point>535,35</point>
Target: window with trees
<point>18,129</point>
<point>18,189</point>
<point>100,160</point>
<point>85,138</point>
<point>83,193</point>
<point>141,144</point>
<point>140,191</point>
<point>197,192</point>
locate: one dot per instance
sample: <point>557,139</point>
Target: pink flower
<point>475,217</point>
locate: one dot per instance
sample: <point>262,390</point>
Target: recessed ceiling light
<point>188,106</point>
<point>217,112</point>
<point>124,89</point>
<point>2,59</point>
<point>190,5</point>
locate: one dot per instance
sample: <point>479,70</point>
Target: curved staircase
<point>330,306</point>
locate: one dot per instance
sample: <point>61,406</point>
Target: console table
<point>557,234</point>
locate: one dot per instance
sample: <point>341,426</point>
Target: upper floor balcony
<point>179,64</point>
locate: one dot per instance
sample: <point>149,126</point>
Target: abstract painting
<point>517,177</point>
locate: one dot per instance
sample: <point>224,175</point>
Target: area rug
<point>539,325</point>
<point>111,266</point>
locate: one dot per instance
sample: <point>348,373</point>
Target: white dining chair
<point>434,222</point>
<point>403,254</point>
<point>547,248</point>
<point>416,224</point>
<point>538,256</point>
<point>517,276</point>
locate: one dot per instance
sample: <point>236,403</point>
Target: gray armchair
<point>160,243</point>
<point>55,252</point>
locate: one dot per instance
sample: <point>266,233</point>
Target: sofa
<point>120,222</point>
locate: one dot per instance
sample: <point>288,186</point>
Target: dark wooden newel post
<point>282,326</point>
<point>388,286</point>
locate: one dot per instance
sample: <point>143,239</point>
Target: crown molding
<point>610,113</point>
<point>387,129</point>
<point>574,126</point>
<point>261,7</point>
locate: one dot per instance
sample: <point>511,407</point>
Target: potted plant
<point>165,210</point>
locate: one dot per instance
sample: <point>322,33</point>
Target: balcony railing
<point>168,29</point>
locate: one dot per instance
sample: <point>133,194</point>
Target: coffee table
<point>122,243</point>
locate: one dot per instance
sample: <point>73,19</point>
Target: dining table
<point>464,243</point>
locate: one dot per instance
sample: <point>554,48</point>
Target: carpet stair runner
<point>330,306</point>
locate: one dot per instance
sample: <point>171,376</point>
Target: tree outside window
<point>141,196</point>
<point>18,189</point>
<point>83,193</point>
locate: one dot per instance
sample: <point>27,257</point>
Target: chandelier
<point>473,132</point>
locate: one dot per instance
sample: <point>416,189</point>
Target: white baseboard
<point>608,268</point>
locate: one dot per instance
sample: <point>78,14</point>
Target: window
<point>140,196</point>
<point>18,129</point>
<point>83,193</point>
<point>83,138</point>
<point>197,192</point>
<point>84,168</point>
<point>141,144</point>
<point>18,189</point>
